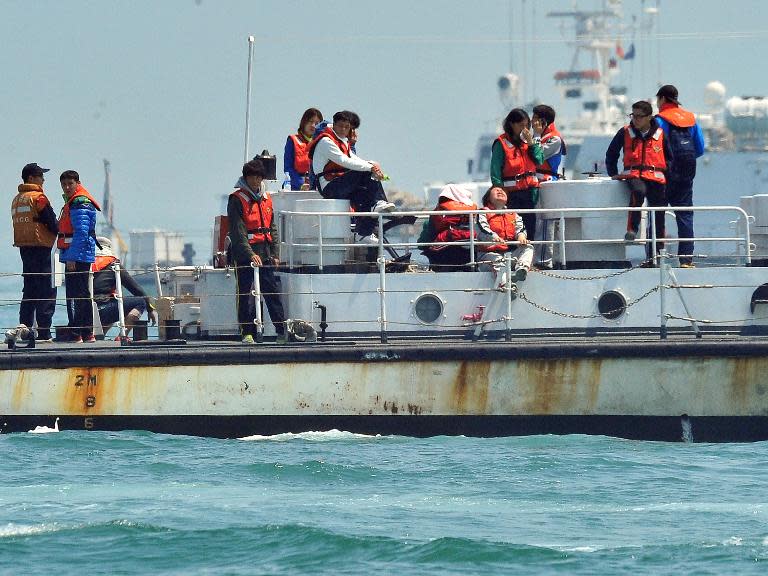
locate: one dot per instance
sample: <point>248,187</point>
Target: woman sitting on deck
<point>452,228</point>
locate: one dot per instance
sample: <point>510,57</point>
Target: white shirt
<point>327,150</point>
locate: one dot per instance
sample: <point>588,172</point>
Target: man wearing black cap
<point>686,143</point>
<point>34,232</point>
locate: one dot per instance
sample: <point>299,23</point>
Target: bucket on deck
<point>172,329</point>
<point>140,330</point>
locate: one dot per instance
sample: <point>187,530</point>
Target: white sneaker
<point>383,206</point>
<point>371,239</point>
<point>502,285</point>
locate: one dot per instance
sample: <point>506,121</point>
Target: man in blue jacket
<point>77,249</point>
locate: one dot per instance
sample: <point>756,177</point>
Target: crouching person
<point>506,228</point>
<point>453,228</point>
<point>253,238</point>
<point>105,290</point>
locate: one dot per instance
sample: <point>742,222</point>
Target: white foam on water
<point>328,435</point>
<point>765,541</point>
<point>733,541</point>
<point>11,529</point>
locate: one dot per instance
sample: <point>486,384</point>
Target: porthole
<point>759,296</point>
<point>428,308</point>
<point>612,305</point>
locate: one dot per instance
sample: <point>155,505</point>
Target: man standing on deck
<point>687,143</point>
<point>253,238</point>
<point>34,232</point>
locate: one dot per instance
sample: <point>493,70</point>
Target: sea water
<point>77,502</point>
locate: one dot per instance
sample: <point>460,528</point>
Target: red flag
<point>619,50</point>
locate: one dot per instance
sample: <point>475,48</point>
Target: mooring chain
<point>553,274</point>
<point>543,308</point>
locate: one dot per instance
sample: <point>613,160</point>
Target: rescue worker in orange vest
<point>105,288</point>
<point>645,155</point>
<point>514,158</point>
<point>453,228</point>
<point>553,149</point>
<point>296,154</point>
<point>253,238</point>
<point>509,228</point>
<point>342,174</point>
<point>34,232</point>
<point>77,249</point>
<point>687,143</point>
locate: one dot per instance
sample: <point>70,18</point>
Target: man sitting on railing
<point>645,152</point>
<point>344,175</point>
<point>453,228</point>
<point>507,227</point>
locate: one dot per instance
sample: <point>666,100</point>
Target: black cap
<point>32,170</point>
<point>669,92</point>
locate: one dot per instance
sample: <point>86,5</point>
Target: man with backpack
<point>686,143</point>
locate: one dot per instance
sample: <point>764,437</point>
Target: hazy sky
<point>158,87</point>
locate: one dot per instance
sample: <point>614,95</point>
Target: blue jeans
<point>108,311</point>
<point>680,193</point>
<point>361,191</point>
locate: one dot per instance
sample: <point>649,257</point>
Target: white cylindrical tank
<point>589,193</point>
<point>306,229</point>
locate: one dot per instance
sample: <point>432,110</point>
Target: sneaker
<point>383,206</point>
<point>248,339</point>
<point>630,236</point>
<point>123,339</point>
<point>502,282</point>
<point>521,274</point>
<point>371,239</point>
<point>43,340</point>
<point>687,265</point>
<point>77,340</point>
<point>88,339</point>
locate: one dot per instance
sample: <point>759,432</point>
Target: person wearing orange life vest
<point>344,175</point>
<point>514,158</point>
<point>452,227</point>
<point>645,155</point>
<point>34,232</point>
<point>253,238</point>
<point>296,153</point>
<point>105,287</point>
<point>77,249</point>
<point>508,228</point>
<point>687,144</point>
<point>553,149</point>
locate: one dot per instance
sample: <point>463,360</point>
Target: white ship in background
<point>593,106</point>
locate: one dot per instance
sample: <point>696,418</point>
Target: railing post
<point>382,283</point>
<point>662,299</point>
<point>652,214</point>
<point>119,298</point>
<point>320,242</point>
<point>508,291</point>
<point>95,319</point>
<point>257,309</point>
<point>563,260</point>
<point>472,240</point>
<point>290,244</point>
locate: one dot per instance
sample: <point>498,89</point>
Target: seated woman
<point>296,153</point>
<point>451,228</point>
<point>507,227</point>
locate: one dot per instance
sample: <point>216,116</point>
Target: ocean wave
<point>315,436</point>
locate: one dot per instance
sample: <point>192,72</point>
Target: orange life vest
<point>677,116</point>
<point>102,262</point>
<point>504,226</point>
<point>300,154</point>
<point>257,216</point>
<point>451,227</point>
<point>545,167</point>
<point>519,170</point>
<point>331,170</point>
<point>644,158</point>
<point>65,222</point>
<point>25,210</point>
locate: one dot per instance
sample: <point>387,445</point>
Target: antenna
<point>251,41</point>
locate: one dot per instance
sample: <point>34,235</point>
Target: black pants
<point>270,289</point>
<point>680,193</point>
<point>448,258</point>
<point>523,199</point>
<point>640,190</point>
<point>77,290</point>
<point>38,297</point>
<point>362,192</point>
